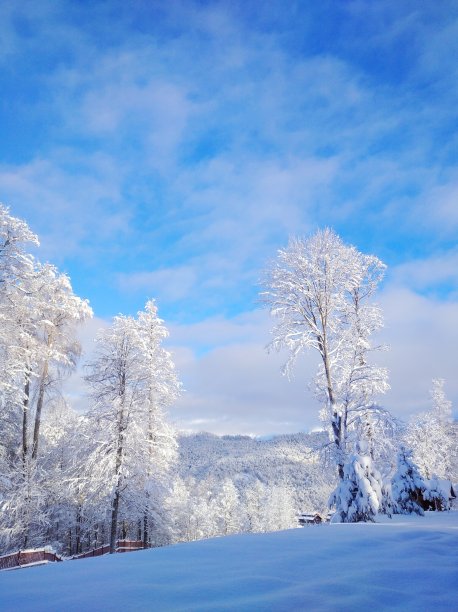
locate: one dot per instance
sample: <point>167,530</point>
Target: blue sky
<point>169,149</point>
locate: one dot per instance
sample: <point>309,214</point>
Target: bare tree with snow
<point>319,290</point>
<point>39,314</point>
<point>430,435</point>
<point>132,380</point>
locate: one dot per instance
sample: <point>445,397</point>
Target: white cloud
<point>436,272</point>
<point>423,337</point>
<point>167,283</point>
<point>69,200</point>
<point>238,388</point>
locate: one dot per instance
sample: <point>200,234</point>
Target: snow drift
<point>408,563</point>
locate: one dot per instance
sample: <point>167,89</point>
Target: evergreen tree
<point>407,485</point>
<point>358,495</point>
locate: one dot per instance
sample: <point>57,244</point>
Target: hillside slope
<point>409,563</point>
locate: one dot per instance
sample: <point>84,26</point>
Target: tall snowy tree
<point>114,381</point>
<point>60,312</point>
<point>254,502</point>
<point>319,290</point>
<point>430,436</point>
<point>39,314</point>
<point>160,388</point>
<point>17,272</point>
<point>132,380</point>
<point>279,512</point>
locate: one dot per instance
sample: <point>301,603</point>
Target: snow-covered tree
<point>196,511</point>
<point>254,501</point>
<point>227,508</point>
<point>407,485</point>
<point>387,505</point>
<point>69,486</point>
<point>279,512</point>
<point>438,493</point>
<point>160,388</point>
<point>430,436</point>
<point>319,290</point>
<point>60,312</point>
<point>132,380</point>
<point>17,272</point>
<point>114,381</point>
<point>24,516</point>
<point>358,495</point>
<point>38,314</point>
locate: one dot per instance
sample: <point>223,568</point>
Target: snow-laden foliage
<point>431,437</point>
<point>132,379</point>
<point>39,314</point>
<point>387,505</point>
<point>439,494</point>
<point>359,494</point>
<point>407,485</point>
<point>78,481</point>
<point>320,290</point>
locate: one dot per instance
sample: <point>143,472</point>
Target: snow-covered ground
<point>407,563</point>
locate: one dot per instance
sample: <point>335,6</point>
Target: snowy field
<point>407,563</point>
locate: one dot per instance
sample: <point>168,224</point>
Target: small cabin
<point>310,519</point>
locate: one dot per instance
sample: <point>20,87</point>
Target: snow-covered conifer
<point>407,485</point>
<point>358,495</point>
<point>438,492</point>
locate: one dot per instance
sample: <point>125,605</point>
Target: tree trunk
<point>78,545</point>
<point>145,528</point>
<point>114,521</point>
<point>336,417</point>
<point>25,415</point>
<point>118,464</point>
<point>41,395</point>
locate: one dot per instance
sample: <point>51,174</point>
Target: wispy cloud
<point>438,274</point>
<point>170,284</point>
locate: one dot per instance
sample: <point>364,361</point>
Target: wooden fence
<point>24,558</point>
<point>121,547</point>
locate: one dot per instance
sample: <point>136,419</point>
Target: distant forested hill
<point>289,460</point>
